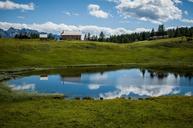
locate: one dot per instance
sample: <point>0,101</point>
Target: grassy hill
<point>18,109</point>
<point>35,53</point>
<point>21,110</point>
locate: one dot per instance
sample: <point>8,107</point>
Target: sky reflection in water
<point>111,84</point>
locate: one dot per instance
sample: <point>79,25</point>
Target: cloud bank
<point>9,5</point>
<point>156,11</point>
<point>189,21</point>
<point>58,28</point>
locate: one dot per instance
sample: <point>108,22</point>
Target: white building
<point>43,36</point>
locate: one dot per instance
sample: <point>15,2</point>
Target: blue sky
<point>116,16</point>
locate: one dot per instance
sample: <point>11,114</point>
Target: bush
<point>87,98</point>
<point>77,98</point>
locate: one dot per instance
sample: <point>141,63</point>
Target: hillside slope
<point>35,53</point>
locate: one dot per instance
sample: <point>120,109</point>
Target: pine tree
<point>88,37</point>
<point>101,37</point>
<point>152,32</point>
<point>161,30</point>
<point>85,37</point>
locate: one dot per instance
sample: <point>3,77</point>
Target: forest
<point>160,33</point>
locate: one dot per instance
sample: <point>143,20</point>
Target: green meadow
<point>35,53</point>
<point>19,109</point>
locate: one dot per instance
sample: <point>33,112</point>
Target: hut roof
<point>70,33</point>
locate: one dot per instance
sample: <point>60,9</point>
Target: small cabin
<point>66,35</point>
<point>43,36</point>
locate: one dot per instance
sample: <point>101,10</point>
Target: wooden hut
<point>69,35</point>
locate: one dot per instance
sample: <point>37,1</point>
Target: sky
<point>94,16</point>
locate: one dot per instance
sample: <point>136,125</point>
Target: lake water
<point>133,83</point>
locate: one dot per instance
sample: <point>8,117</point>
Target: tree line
<point>161,32</point>
<point>32,36</point>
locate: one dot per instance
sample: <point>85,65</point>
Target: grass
<point>35,53</point>
<point>47,112</point>
<point>18,109</point>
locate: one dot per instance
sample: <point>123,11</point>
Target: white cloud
<point>118,1</point>
<point>9,5</point>
<point>21,17</point>
<point>71,13</point>
<point>156,11</point>
<point>190,0</point>
<point>58,28</point>
<point>67,13</point>
<point>186,12</point>
<point>94,10</point>
<point>189,21</point>
<point>177,1</point>
<point>114,1</point>
<point>142,30</point>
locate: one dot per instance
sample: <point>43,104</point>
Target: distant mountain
<point>28,32</point>
<point>12,32</point>
<point>3,33</point>
<point>24,33</point>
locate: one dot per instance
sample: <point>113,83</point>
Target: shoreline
<point>6,74</point>
<point>19,72</point>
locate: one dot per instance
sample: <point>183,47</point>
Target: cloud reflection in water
<point>24,86</point>
<point>110,84</point>
<point>149,90</point>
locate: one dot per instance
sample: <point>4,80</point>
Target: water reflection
<point>65,80</point>
<point>188,94</point>
<point>110,84</point>
<point>43,77</point>
<point>94,86</point>
<point>141,91</point>
<point>24,86</point>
